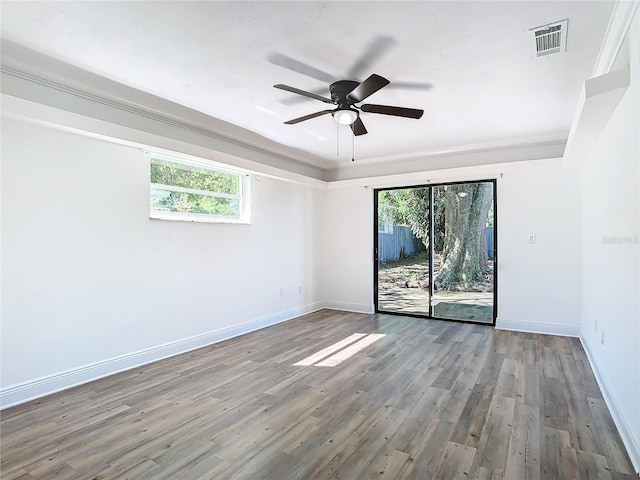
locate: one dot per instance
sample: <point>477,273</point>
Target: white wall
<point>89,280</point>
<point>611,271</point>
<point>538,284</point>
<point>347,249</point>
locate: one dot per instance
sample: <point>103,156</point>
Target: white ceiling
<point>222,58</point>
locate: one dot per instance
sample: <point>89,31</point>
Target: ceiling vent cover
<point>551,38</point>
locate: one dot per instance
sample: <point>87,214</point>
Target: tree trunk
<point>464,256</point>
<point>485,199</point>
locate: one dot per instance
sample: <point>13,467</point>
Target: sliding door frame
<point>430,186</point>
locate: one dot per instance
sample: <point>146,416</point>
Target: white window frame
<point>243,196</point>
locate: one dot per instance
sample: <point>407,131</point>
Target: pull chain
<point>353,146</point>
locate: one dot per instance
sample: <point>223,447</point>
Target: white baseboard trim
<point>40,387</point>
<point>348,307</point>
<point>536,327</point>
<point>630,441</point>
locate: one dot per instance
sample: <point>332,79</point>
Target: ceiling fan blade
<point>300,67</point>
<point>357,127</point>
<point>297,99</point>
<point>411,86</point>
<point>370,86</point>
<point>375,50</point>
<point>395,111</point>
<point>308,117</point>
<point>393,85</point>
<point>303,93</point>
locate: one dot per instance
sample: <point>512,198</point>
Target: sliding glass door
<point>436,251</point>
<point>403,259</point>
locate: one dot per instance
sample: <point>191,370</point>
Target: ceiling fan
<point>345,94</point>
<point>378,47</point>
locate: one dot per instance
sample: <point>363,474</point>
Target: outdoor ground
<point>403,286</point>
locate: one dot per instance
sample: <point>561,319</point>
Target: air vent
<point>551,38</point>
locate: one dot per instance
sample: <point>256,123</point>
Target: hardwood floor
<point>428,400</point>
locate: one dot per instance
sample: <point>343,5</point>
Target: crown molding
<point>57,74</point>
<point>104,116</point>
<point>40,100</point>
<point>66,97</point>
<point>598,100</point>
<point>619,24</point>
<point>551,147</point>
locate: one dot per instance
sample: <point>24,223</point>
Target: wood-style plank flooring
<point>429,400</point>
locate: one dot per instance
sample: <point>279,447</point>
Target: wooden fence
<point>399,243</point>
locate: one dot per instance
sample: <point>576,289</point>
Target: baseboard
<point>536,327</point>
<point>631,443</point>
<point>348,307</point>
<point>40,387</point>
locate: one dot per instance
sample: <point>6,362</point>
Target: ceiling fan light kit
<point>345,116</point>
<point>345,94</point>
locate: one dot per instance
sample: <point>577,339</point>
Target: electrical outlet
<point>281,292</point>
<point>532,238</point>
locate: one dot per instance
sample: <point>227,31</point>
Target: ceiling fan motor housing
<point>339,91</point>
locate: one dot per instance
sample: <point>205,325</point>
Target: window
<point>196,191</point>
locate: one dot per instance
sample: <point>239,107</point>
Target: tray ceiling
<point>469,65</point>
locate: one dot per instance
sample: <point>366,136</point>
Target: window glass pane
<point>181,202</point>
<point>196,178</point>
<point>197,192</point>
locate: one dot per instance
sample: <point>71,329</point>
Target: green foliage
<point>168,173</point>
<point>490,217</point>
<point>193,178</point>
<point>392,207</point>
<point>410,206</point>
<point>417,213</point>
<point>199,204</point>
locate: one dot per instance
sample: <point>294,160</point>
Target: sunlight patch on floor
<point>340,351</point>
